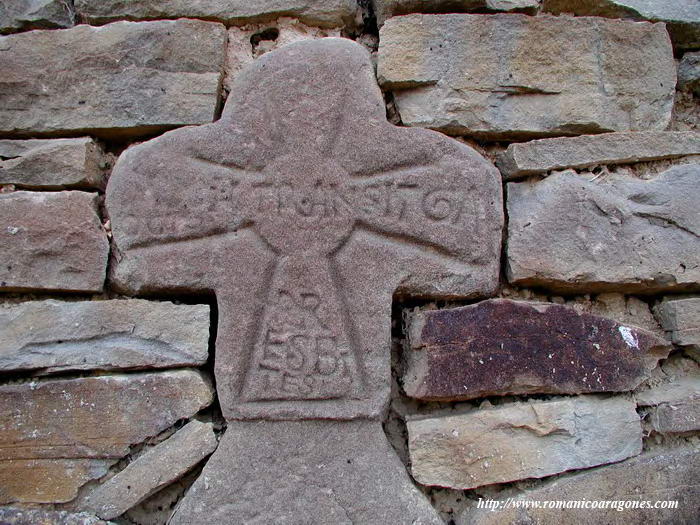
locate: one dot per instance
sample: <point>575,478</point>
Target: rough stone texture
<point>156,468</point>
<point>305,210</point>
<point>677,417</point>
<point>682,17</point>
<point>665,476</point>
<point>500,347</point>
<point>249,42</point>
<point>523,440</point>
<point>52,336</point>
<point>540,156</point>
<point>517,76</point>
<point>305,472</point>
<point>384,9</point>
<point>56,435</point>
<point>51,241</point>
<point>680,318</point>
<point>689,72</point>
<point>625,310</point>
<point>16,15</point>
<point>324,13</point>
<point>53,163</point>
<point>125,78</point>
<point>15,516</point>
<point>569,232</point>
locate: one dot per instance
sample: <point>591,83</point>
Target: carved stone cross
<point>303,210</point>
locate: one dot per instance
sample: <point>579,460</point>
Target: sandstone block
<point>682,17</point>
<point>53,336</point>
<point>689,72</point>
<point>540,156</point>
<point>20,15</point>
<point>304,210</point>
<point>677,417</point>
<point>680,318</point>
<point>570,232</point>
<point>55,435</point>
<point>16,516</point>
<point>384,9</point>
<point>324,13</point>
<point>517,76</point>
<point>500,347</point>
<point>156,468</point>
<point>666,476</point>
<point>51,241</point>
<point>319,471</point>
<point>125,78</point>
<point>53,163</point>
<point>523,440</point>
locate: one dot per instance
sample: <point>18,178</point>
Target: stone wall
<point>383,259</point>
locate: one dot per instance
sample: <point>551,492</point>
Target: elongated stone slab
<point>680,318</point>
<point>523,440</point>
<point>615,233</point>
<point>53,163</point>
<point>156,468</point>
<point>125,78</point>
<point>51,241</point>
<point>518,76</point>
<point>325,13</point>
<point>540,156</point>
<point>661,478</point>
<point>53,336</point>
<point>500,347</point>
<point>20,15</point>
<point>384,9</point>
<point>304,210</point>
<point>341,472</point>
<point>17,516</point>
<point>682,17</point>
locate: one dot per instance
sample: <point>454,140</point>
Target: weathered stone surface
<point>540,156</point>
<point>522,440</point>
<point>517,76</point>
<point>246,43</point>
<point>569,232</point>
<point>680,318</point>
<point>324,13</point>
<point>125,78</point>
<point>18,15</point>
<point>305,472</point>
<point>623,309</point>
<point>152,471</point>
<point>305,210</point>
<point>53,163</point>
<point>677,417</point>
<point>655,477</point>
<point>53,336</point>
<point>689,72</point>
<point>384,9</point>
<point>51,241</point>
<point>500,347</point>
<point>682,17</point>
<point>15,516</point>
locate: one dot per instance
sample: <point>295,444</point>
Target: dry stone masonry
<point>240,284</point>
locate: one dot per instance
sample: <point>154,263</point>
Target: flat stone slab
<point>501,347</point>
<point>51,241</point>
<point>304,210</point>
<point>125,78</point>
<point>16,516</point>
<point>56,435</point>
<point>540,156</point>
<point>518,76</point>
<point>682,17</point>
<point>53,163</point>
<point>324,13</point>
<point>616,233</point>
<point>680,318</point>
<point>156,468</point>
<point>20,15</point>
<point>522,440</point>
<point>384,9</point>
<point>689,72</point>
<point>657,477</point>
<point>54,336</point>
<point>305,472</point>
